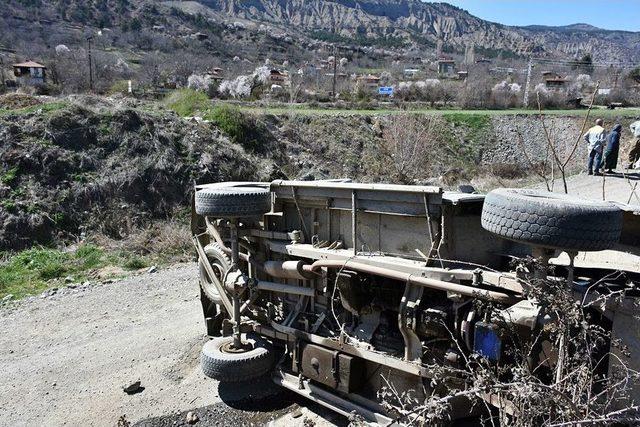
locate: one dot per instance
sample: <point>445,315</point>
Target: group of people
<point>604,147</point>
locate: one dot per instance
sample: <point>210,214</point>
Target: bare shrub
<point>550,98</point>
<point>556,375</point>
<point>475,94</point>
<point>165,240</point>
<point>407,148</point>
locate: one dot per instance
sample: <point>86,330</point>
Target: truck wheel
<point>233,202</point>
<point>551,220</point>
<point>222,362</point>
<point>214,313</point>
<point>221,263</point>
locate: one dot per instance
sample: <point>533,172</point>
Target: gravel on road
<point>67,356</point>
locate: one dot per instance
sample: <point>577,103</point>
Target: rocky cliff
<point>423,23</point>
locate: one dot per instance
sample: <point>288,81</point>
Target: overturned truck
<point>377,299</point>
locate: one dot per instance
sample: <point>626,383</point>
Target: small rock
<point>72,286</point>
<point>192,418</point>
<point>68,279</point>
<point>85,284</point>
<point>7,298</point>
<point>133,388</point>
<point>297,413</point>
<point>152,269</point>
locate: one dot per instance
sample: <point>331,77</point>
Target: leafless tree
<point>296,83</point>
<point>407,147</point>
<point>543,168</point>
<point>562,155</point>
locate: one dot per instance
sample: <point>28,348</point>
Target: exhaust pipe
<point>288,270</point>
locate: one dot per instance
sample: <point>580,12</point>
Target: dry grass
<point>161,242</point>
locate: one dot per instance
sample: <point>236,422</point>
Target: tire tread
<point>555,222</point>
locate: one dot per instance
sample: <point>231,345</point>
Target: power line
<point>574,63</point>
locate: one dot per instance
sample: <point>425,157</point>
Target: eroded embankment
<point>107,165</point>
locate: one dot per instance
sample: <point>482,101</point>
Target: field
<point>306,110</point>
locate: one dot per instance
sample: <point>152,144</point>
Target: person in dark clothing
<point>612,149</point>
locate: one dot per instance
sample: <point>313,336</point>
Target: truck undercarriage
<point>379,300</point>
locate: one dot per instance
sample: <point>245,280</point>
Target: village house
<point>410,73</point>
<point>369,80</point>
<point>446,67</point>
<point>30,73</point>
<point>555,82</point>
<point>462,75</point>
<point>551,75</point>
<point>216,74</point>
<point>277,77</point>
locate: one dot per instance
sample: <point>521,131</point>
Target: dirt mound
<point>14,101</point>
<point>76,170</point>
<point>91,101</point>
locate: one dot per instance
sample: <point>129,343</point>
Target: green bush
<point>235,124</point>
<point>9,176</point>
<point>186,102</point>
<point>135,263</point>
<point>90,256</point>
<point>119,87</point>
<point>33,270</point>
<point>9,205</point>
<point>52,271</point>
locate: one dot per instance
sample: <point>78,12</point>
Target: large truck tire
<point>222,363</point>
<point>551,220</point>
<point>233,202</point>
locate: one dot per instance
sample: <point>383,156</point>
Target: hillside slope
<point>294,28</point>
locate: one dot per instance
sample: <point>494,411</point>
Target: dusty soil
<point>66,357</point>
<point>621,187</point>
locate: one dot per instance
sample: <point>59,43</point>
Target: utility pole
<point>335,68</point>
<point>89,37</point>
<point>2,71</point>
<point>617,75</point>
<point>526,88</point>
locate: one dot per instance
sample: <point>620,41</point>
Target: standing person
<point>634,154</point>
<point>595,138</point>
<point>613,148</point>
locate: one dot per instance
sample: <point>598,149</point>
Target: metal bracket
<point>407,322</point>
<point>207,266</point>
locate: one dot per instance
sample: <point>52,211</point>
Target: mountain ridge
<point>436,21</point>
<point>297,30</point>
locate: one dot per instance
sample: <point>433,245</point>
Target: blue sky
<point>609,14</point>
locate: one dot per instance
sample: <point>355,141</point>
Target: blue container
<point>487,342</point>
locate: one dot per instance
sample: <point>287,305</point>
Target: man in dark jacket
<point>612,149</point>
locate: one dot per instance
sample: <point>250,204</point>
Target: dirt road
<point>66,357</point>
<point>616,187</point>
